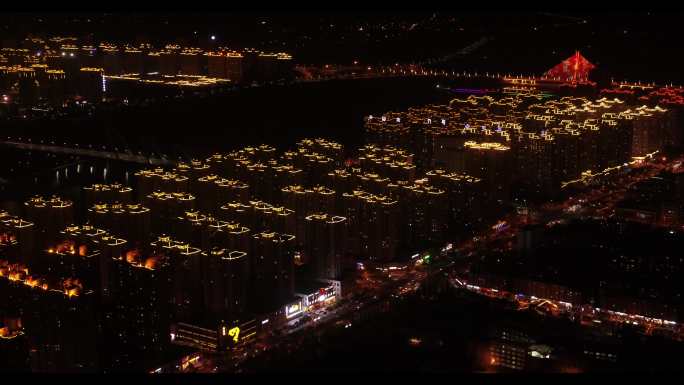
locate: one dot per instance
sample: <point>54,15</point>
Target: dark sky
<point>636,46</point>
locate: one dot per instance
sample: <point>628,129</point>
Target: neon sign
<point>235,333</point>
<point>293,310</point>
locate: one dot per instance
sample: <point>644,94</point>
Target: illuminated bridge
<point>120,156</point>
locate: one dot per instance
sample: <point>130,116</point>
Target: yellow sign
<point>234,332</point>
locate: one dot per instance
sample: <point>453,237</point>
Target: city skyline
<point>180,201</point>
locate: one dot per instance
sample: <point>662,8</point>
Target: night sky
<point>633,46</point>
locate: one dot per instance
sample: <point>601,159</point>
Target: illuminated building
<point>5,78</point>
<point>315,166</point>
<point>69,60</point>
<point>53,86</point>
<point>107,193</point>
<point>387,161</point>
<point>650,127</point>
<point>298,199</point>
<point>340,181</point>
<point>260,216</point>
<point>373,183</point>
<point>272,270</point>
<point>213,191</point>
<point>261,153</point>
<point>248,65</point>
<point>59,337</point>
<point>149,181</point>
<point>373,225</point>
<point>325,147</point>
<point>225,282</point>
<point>216,64</point>
<point>305,201</point>
<point>14,349</point>
<point>86,252</point>
<point>133,60</point>
<point>73,255</point>
<point>273,218</point>
<point>508,355</point>
<point>284,175</point>
<point>217,165</point>
<point>236,211</point>
<point>656,200</point>
<point>131,221</point>
<point>234,67</point>
<point>166,207</point>
<point>22,233</point>
<point>425,211</point>
<point>259,177</point>
<point>463,194</point>
<point>320,199</point>
<point>142,291</point>
<point>168,60</point>
<point>575,69</point>
<point>53,60</point>
<point>220,336</point>
<point>526,143</point>
<point>14,56</point>
<point>28,85</point>
<point>89,57</point>
<point>185,264</point>
<point>491,162</point>
<point>190,60</point>
<point>208,232</point>
<point>235,236</point>
<point>50,215</point>
<point>266,66</point>
<point>231,191</point>
<point>152,62</point>
<point>91,84</point>
<point>112,60</point>
<point>193,170</point>
<point>326,244</point>
<point>192,227</point>
<point>316,294</point>
<point>284,66</point>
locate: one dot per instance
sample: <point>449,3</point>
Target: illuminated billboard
<point>320,296</point>
<point>294,309</point>
<point>234,335</point>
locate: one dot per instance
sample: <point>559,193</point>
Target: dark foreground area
<point>454,331</point>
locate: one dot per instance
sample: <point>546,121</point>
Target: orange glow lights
<point>151,263</point>
<point>72,287</point>
<point>20,274</point>
<point>66,247</point>
<point>132,256</point>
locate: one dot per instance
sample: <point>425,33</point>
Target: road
<point>598,202</point>
<point>383,284</point>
